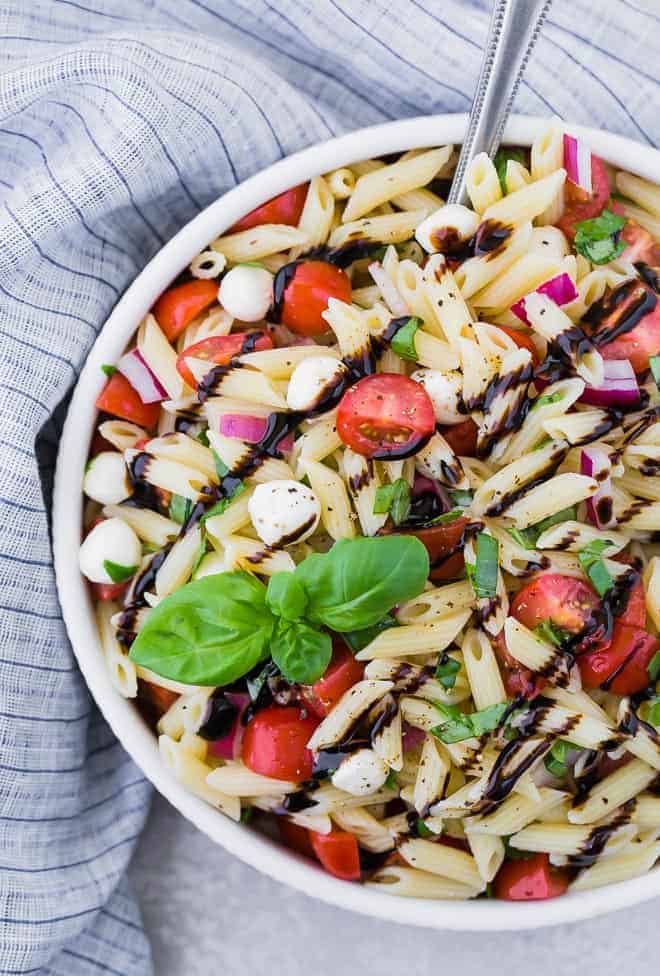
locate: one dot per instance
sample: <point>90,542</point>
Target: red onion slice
<point>144,381</point>
<point>229,746</point>
<point>390,293</point>
<point>577,163</point>
<point>411,737</point>
<point>619,386</point>
<point>560,290</point>
<point>251,429</point>
<point>423,485</point>
<point>595,463</point>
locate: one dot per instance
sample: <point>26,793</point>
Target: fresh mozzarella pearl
<point>112,540</point>
<point>549,242</point>
<point>444,389</point>
<point>361,773</point>
<point>454,217</point>
<point>284,512</point>
<point>106,478</point>
<point>310,378</point>
<point>247,292</point>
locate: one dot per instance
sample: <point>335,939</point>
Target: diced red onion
<point>560,290</point>
<point>619,386</point>
<point>251,429</point>
<point>411,737</point>
<point>595,463</point>
<point>389,291</point>
<point>577,163</point>
<point>229,746</point>
<point>146,384</point>
<point>423,485</point>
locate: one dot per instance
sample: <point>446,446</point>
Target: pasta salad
<point>373,522</point>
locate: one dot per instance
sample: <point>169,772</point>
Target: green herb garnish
<point>483,574</point>
<point>393,499</point>
<point>650,712</point>
<point>592,563</point>
<point>654,363</point>
<point>551,634</point>
<point>220,466</point>
<point>654,667</point>
<point>597,239</point>
<point>547,398</point>
<point>502,157</point>
<point>422,830</point>
<point>555,761</point>
<point>461,498</point>
<point>446,670</point>
<point>403,341</point>
<point>117,572</point>
<point>446,517</point>
<point>109,370</point>
<point>220,506</point>
<point>180,509</point>
<point>357,639</point>
<point>458,726</point>
<point>391,783</point>
<point>203,438</point>
<point>527,538</point>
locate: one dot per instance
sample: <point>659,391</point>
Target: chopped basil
<point>502,157</point>
<point>650,712</point>
<point>403,341</point>
<point>422,830</point>
<point>391,783</point>
<point>549,632</point>
<point>483,574</point>
<point>654,667</point>
<point>109,370</point>
<point>461,498</point>
<point>446,670</point>
<point>357,639</point>
<point>220,465</point>
<point>512,853</point>
<point>597,239</point>
<point>251,264</point>
<point>458,726</point>
<point>220,506</point>
<point>447,517</point>
<point>555,761</point>
<point>546,398</point>
<point>201,552</point>
<point>654,363</point>
<point>594,567</point>
<point>203,438</point>
<point>393,499</point>
<point>117,572</point>
<point>527,538</point>
<point>180,509</point>
<point>246,815</point>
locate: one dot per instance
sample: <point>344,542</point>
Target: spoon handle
<point>514,28</point>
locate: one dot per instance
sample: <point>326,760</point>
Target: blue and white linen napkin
<point>119,121</point>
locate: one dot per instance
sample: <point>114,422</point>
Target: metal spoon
<point>514,28</point>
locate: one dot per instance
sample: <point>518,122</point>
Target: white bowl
<point>252,847</point>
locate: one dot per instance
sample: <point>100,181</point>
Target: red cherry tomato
<point>626,658</point>
<point>385,415</point>
<point>640,343</point>
<point>295,837</point>
<point>307,294</point>
<point>219,350</point>
<point>567,602</point>
<point>108,591</point>
<point>156,698</point>
<point>523,341</point>
<point>635,613</point>
<point>641,245</point>
<point>578,205</point>
<point>517,679</point>
<point>283,209</point>
<point>178,306</point>
<point>120,399</point>
<point>341,674</point>
<point>441,541</point>
<point>462,438</point>
<point>529,879</point>
<point>338,853</point>
<point>275,743</point>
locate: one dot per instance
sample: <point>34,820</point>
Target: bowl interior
<point>256,849</point>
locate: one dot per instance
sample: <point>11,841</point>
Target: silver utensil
<point>514,28</point>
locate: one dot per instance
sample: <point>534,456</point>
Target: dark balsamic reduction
<point>220,717</point>
<point>622,309</point>
<point>594,845</point>
<point>496,508</point>
<point>509,768</point>
<point>648,275</point>
<point>424,508</point>
<point>600,624</point>
<point>491,238</point>
<point>563,352</point>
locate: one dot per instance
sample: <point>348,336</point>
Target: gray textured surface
<point>204,910</point>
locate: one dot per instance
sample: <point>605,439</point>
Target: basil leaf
<point>403,340</point>
<point>209,632</point>
<point>546,398</point>
<point>594,567</point>
<point>654,667</point>
<point>302,653</point>
<point>527,538</point>
<point>446,670</point>
<point>653,712</point>
<point>109,370</point>
<point>422,830</point>
<point>180,509</point>
<point>502,157</point>
<point>459,726</point>
<point>549,632</point>
<point>654,363</point>
<point>354,584</point>
<point>393,499</point>
<point>555,761</point>
<point>285,596</point>
<point>446,517</point>
<point>203,438</point>
<point>357,639</point>
<point>220,506</point>
<point>201,552</point>
<point>596,239</point>
<point>117,572</point>
<point>220,465</point>
<point>391,783</point>
<point>483,575</point>
<point>462,498</point>
<point>256,682</point>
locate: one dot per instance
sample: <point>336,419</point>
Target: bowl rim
<point>255,849</point>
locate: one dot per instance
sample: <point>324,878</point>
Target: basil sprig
<point>548,631</point>
<point>598,239</point>
<point>403,340</point>
<point>650,712</point>
<point>117,572</point>
<point>446,670</point>
<point>357,639</point>
<point>555,761</point>
<point>457,726</point>
<point>216,629</point>
<point>483,574</point>
<point>592,563</point>
<point>527,538</point>
<point>393,500</point>
<point>547,398</point>
<point>180,509</point>
<point>502,157</point>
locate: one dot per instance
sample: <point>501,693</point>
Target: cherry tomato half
<point>627,657</point>
<point>635,613</point>
<point>523,341</point>
<point>529,879</point>
<point>517,679</point>
<point>338,853</point>
<point>109,591</point>
<point>120,399</point>
<point>219,350</point>
<point>462,438</point>
<point>295,837</point>
<point>275,743</point>
<point>178,306</point>
<point>307,295</point>
<point>385,415</point>
<point>640,343</point>
<point>578,205</point>
<point>441,541</point>
<point>341,674</point>
<point>567,602</point>
<point>156,698</point>
<point>641,245</point>
<point>283,209</point>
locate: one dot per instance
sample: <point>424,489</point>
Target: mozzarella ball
<point>450,222</point>
<point>444,390</point>
<point>361,773</point>
<point>284,512</point>
<point>106,478</point>
<point>549,242</point>
<point>247,292</point>
<point>112,540</point>
<point>311,378</point>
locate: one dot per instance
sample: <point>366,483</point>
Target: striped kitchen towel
<point>120,120</point>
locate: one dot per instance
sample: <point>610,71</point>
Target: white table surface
<point>205,911</point>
